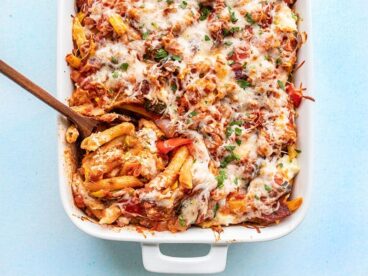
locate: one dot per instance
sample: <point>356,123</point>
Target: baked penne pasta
<point>199,109</point>
<point>185,178</point>
<point>114,183</point>
<point>98,139</point>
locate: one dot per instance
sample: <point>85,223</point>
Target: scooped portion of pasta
<point>198,107</point>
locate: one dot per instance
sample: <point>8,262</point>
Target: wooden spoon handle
<point>37,91</point>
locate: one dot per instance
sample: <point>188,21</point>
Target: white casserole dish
<point>215,261</point>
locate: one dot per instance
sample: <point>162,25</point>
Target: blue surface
<point>37,238</point>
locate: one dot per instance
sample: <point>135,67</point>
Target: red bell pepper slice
<point>295,94</point>
<point>171,144</point>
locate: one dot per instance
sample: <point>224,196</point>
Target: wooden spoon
<point>85,125</point>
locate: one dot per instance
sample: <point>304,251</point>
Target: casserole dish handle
<point>155,261</point>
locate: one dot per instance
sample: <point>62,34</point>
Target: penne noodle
<point>98,139</point>
<point>185,177</point>
<point>79,35</point>
<point>170,174</point>
<point>118,24</point>
<point>71,134</point>
<point>110,215</point>
<point>151,125</point>
<point>73,61</point>
<point>114,183</point>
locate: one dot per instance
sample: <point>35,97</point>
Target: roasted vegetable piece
<point>171,144</point>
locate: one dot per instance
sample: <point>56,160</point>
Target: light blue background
<point>37,238</point>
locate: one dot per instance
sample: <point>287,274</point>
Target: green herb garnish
<point>229,131</point>
<point>238,131</point>
<point>176,58</point>
<point>183,4</point>
<point>145,35</point>
<point>281,84</point>
<point>182,221</point>
<point>228,159</point>
<point>236,123</point>
<point>193,113</point>
<point>221,178</point>
<point>249,18</point>
<point>124,66</point>
<point>207,38</point>
<point>229,147</point>
<point>114,60</point>
<point>174,87</point>
<point>267,188</point>
<point>215,209</point>
<point>204,13</point>
<point>243,83</point>
<point>161,54</point>
<point>233,18</point>
<point>115,74</point>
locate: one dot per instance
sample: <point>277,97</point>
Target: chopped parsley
<point>176,58</point>
<point>238,142</point>
<point>228,43</point>
<point>229,131</point>
<point>236,181</point>
<point>236,123</point>
<point>278,61</point>
<point>281,84</point>
<point>124,66</point>
<point>249,18</point>
<point>233,18</point>
<point>182,221</point>
<point>161,54</point>
<point>229,147</point>
<point>228,159</point>
<point>294,16</point>
<point>231,31</point>
<point>145,35</point>
<point>207,38</point>
<point>215,209</point>
<point>115,74</point>
<point>174,87</point>
<point>193,113</point>
<point>221,178</point>
<point>256,197</point>
<point>267,188</point>
<point>243,83</point>
<point>204,13</point>
<point>169,2</point>
<point>183,4</point>
<point>244,65</point>
<point>298,151</point>
<point>280,165</point>
<point>234,29</point>
<point>238,131</point>
<point>114,60</point>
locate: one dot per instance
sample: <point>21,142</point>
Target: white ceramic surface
<point>215,261</point>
